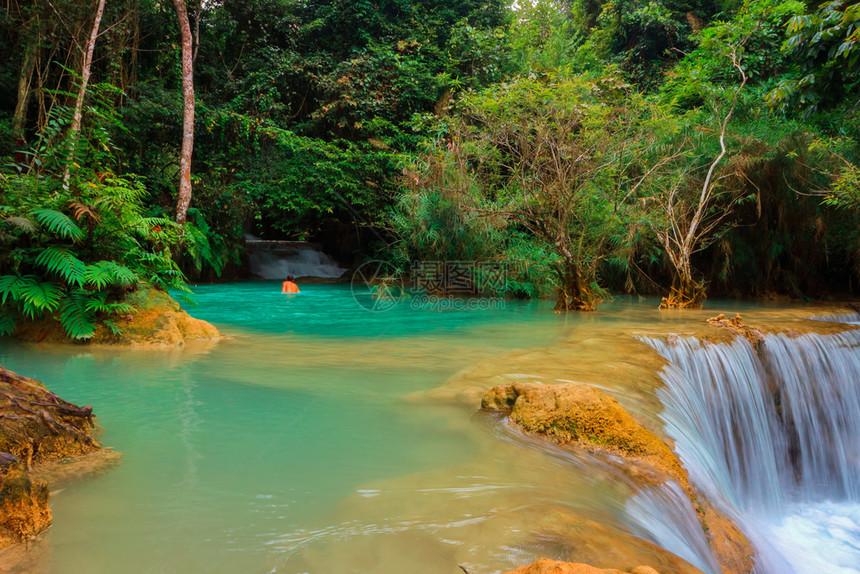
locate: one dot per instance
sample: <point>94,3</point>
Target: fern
<point>77,319</point>
<point>112,327</point>
<point>63,263</point>
<point>24,223</point>
<point>108,273</point>
<point>9,288</point>
<point>7,323</point>
<point>100,305</point>
<point>38,297</point>
<point>57,266</point>
<point>58,223</point>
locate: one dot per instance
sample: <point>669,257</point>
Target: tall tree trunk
<point>75,128</point>
<point>184,199</point>
<point>19,120</point>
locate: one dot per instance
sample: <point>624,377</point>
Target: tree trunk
<point>184,198</point>
<point>574,292</point>
<point>19,120</point>
<point>684,294</point>
<point>75,128</point>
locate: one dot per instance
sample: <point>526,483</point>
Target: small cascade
<point>277,259</point>
<point>773,441</point>
<point>665,516</point>
<point>851,317</point>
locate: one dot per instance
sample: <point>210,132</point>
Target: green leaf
<point>58,223</point>
<point>103,273</point>
<point>7,323</point>
<point>64,263</point>
<point>78,321</point>
<point>38,296</point>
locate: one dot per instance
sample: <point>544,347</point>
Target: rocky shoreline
<point>43,438</point>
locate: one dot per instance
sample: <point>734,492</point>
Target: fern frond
<point>38,296</point>
<point>64,263</point>
<point>7,323</point>
<point>58,223</point>
<point>24,223</point>
<point>113,327</point>
<point>78,321</point>
<point>103,273</point>
<point>79,210</point>
<point>9,288</point>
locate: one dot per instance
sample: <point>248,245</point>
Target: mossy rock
<point>585,417</point>
<point>157,321</point>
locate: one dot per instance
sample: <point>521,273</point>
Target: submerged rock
<point>37,428</point>
<point>584,417</point>
<point>546,566</point>
<point>157,321</point>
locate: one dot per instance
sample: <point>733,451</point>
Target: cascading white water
<point>278,259</point>
<point>664,515</point>
<point>774,442</point>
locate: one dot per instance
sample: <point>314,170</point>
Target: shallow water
<point>305,442</point>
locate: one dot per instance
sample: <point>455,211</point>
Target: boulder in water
<point>582,416</point>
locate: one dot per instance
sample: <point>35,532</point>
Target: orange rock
<point>547,566</point>
<point>157,321</point>
<point>580,415</point>
<point>36,427</point>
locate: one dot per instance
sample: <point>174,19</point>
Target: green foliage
<point>828,44</point>
<point>540,161</point>
<point>754,33</point>
<point>76,256</point>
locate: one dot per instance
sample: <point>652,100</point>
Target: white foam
<point>819,538</point>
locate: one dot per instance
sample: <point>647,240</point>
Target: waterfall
<point>277,259</point>
<point>665,516</point>
<point>773,441</point>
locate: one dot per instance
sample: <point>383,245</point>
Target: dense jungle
<point>665,147</point>
<point>429,286</point>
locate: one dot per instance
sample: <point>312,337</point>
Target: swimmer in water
<point>288,286</point>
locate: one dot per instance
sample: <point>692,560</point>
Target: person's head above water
<point>289,277</point>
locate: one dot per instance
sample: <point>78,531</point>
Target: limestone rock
<point>580,415</point>
<point>36,427</point>
<point>157,321</point>
<point>753,335</point>
<point>24,509</point>
<point>587,417</point>
<point>546,566</point>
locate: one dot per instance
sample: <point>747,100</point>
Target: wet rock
<point>157,321</point>
<point>584,417</point>
<point>751,334</point>
<point>36,427</point>
<point>24,509</point>
<point>501,398</point>
<point>546,566</point>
